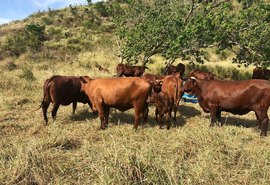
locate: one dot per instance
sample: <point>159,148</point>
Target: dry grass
<point>72,150</point>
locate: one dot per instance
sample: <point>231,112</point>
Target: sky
<point>11,10</point>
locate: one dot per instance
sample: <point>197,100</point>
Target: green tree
<point>185,28</point>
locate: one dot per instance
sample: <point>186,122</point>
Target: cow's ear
<point>84,79</point>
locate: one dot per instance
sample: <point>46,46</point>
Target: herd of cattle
<point>136,90</point>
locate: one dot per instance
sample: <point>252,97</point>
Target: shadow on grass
<point>117,117</point>
<point>240,122</point>
<point>184,112</point>
<point>83,115</point>
<point>237,121</point>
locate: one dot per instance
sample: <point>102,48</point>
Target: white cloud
<point>3,20</point>
<point>48,3</point>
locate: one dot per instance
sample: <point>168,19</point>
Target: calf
<point>130,71</point>
<point>237,97</point>
<point>163,106</point>
<point>261,73</point>
<point>174,69</point>
<point>201,75</point>
<point>119,93</point>
<point>62,90</point>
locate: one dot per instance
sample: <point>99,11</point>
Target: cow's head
<point>84,80</point>
<point>120,69</point>
<point>189,85</point>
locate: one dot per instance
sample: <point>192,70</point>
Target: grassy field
<point>72,150</point>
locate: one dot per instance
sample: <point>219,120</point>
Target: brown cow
<point>201,75</point>
<point>174,69</point>
<point>261,73</point>
<point>163,106</point>
<point>151,78</point>
<point>119,93</point>
<point>171,85</point>
<point>62,90</point>
<point>130,71</point>
<point>237,97</point>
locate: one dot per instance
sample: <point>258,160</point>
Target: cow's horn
<point>193,78</point>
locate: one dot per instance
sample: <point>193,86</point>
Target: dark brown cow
<point>62,90</point>
<point>130,71</point>
<point>174,69</point>
<point>163,106</point>
<point>237,97</point>
<point>201,75</point>
<point>261,73</point>
<point>119,93</point>
<point>171,86</point>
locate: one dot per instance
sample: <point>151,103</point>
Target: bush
<point>13,45</point>
<point>102,9</point>
<point>11,66</point>
<point>27,74</point>
<point>47,21</point>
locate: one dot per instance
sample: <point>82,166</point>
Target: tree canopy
<point>184,28</point>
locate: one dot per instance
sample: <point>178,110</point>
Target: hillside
<point>72,150</point>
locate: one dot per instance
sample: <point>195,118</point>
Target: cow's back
<point>236,94</point>
<point>118,90</point>
<point>65,90</point>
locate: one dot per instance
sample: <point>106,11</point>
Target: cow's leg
<point>45,106</point>
<point>175,111</point>
<point>101,114</point>
<point>137,119</point>
<point>219,117</point>
<point>139,108</point>
<point>74,105</point>
<point>106,114</point>
<point>156,113</point>
<point>258,124</point>
<point>54,110</point>
<point>213,115</point>
<point>160,116</point>
<point>263,118</point>
<point>168,120</point>
<point>145,116</point>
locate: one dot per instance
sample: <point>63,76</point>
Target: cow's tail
<point>45,92</point>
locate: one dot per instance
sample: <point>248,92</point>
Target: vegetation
<point>72,150</point>
<point>186,28</point>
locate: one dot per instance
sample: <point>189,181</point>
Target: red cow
<point>237,97</point>
<point>130,71</point>
<point>119,93</point>
<point>62,90</point>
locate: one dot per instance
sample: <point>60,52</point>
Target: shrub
<point>47,21</point>
<point>14,45</point>
<point>11,66</point>
<point>102,9</point>
<point>27,74</point>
